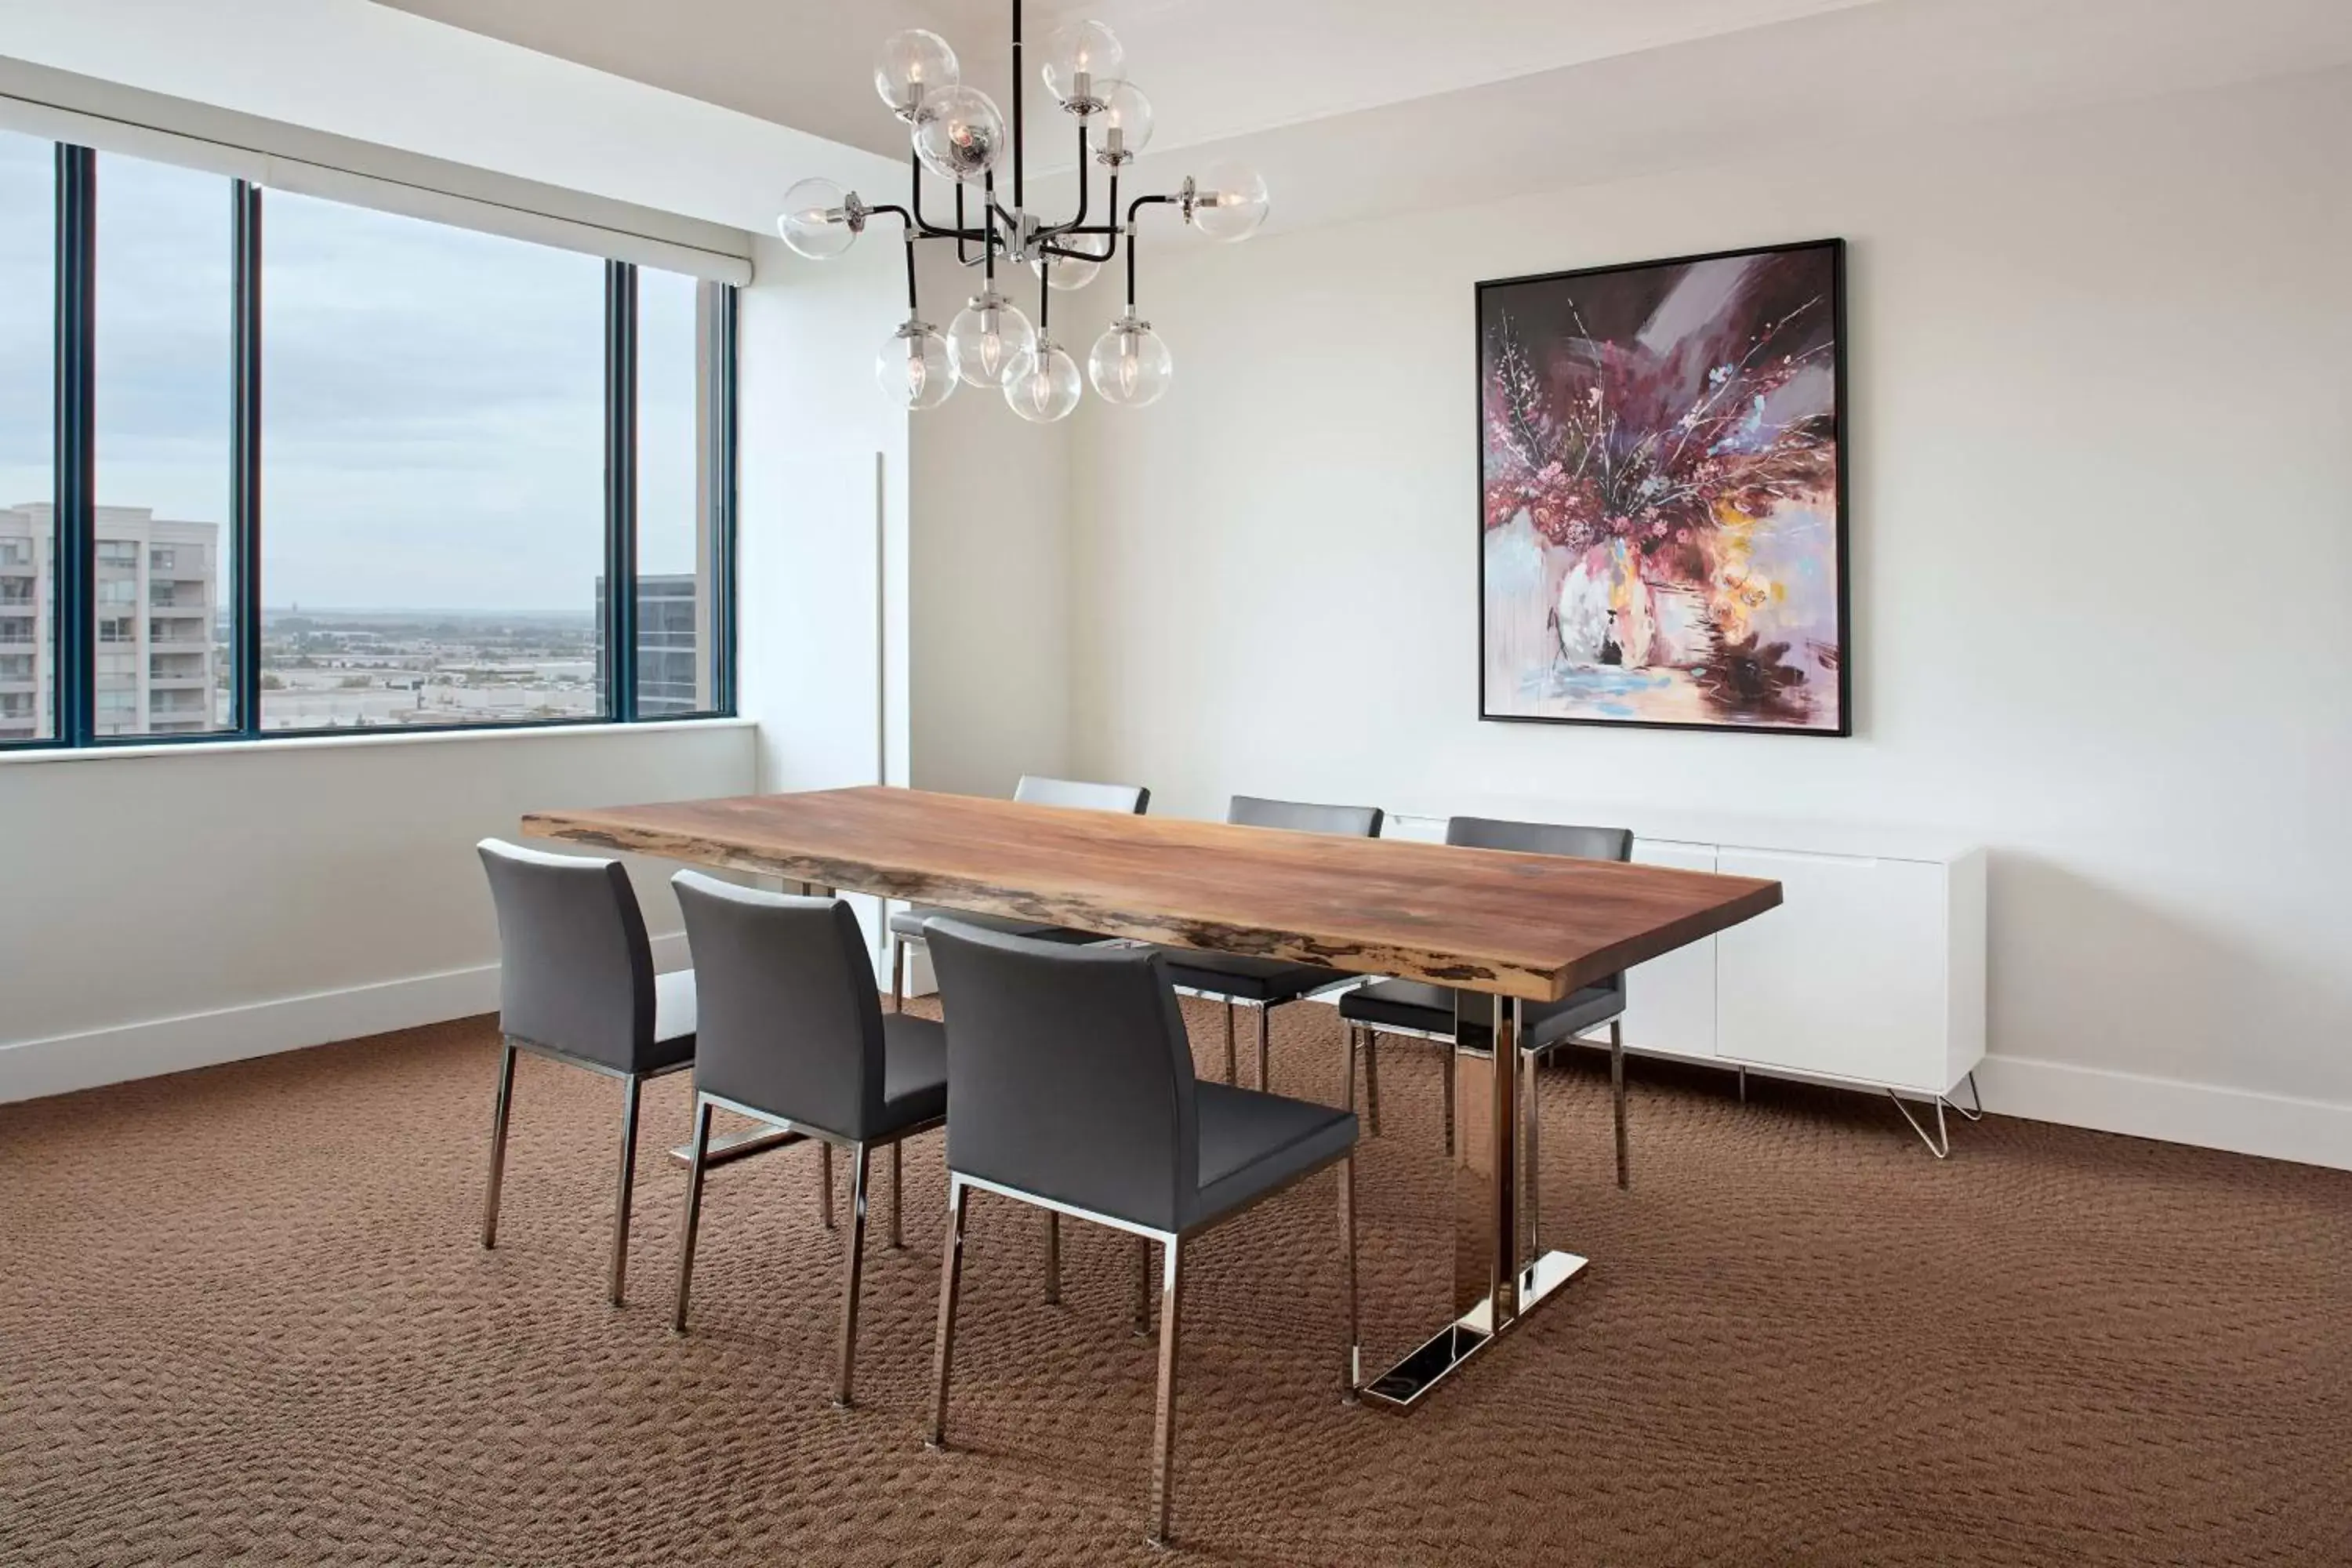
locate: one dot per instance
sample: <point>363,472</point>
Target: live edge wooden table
<point>1499,929</point>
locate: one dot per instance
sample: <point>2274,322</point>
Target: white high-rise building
<point>156,587</point>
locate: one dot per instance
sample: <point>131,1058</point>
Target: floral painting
<point>1663,528</point>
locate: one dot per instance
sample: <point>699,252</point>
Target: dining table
<point>1499,930</point>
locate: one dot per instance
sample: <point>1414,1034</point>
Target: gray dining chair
<point>1262,984</point>
<point>576,985</point>
<point>793,1034</point>
<point>1070,1087</point>
<point>907,925</point>
<point>1420,1011</point>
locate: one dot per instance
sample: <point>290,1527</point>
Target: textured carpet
<point>244,1319</point>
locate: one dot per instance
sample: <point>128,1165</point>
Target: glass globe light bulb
<point>986,337</point>
<point>1065,272</point>
<point>912,367</point>
<point>1083,62</point>
<point>909,66</point>
<point>1228,201</point>
<point>959,134</point>
<point>820,219</point>
<point>1042,384</point>
<point>1130,363</point>
<point>1123,128</point>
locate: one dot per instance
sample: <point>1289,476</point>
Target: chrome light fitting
<point>959,136</point>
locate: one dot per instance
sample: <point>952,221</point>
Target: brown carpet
<point>244,1319</point>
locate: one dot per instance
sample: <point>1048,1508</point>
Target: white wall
<point>2101,539</point>
<point>179,906</point>
<point>988,598</point>
<point>270,898</point>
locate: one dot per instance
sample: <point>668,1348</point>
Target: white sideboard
<point>1871,972</point>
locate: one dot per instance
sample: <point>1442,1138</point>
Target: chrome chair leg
<point>1350,1367</point>
<point>1530,1141</point>
<point>1447,1067</point>
<point>1372,1082</point>
<point>897,974</point>
<point>1142,1286</point>
<point>501,1111</point>
<point>861,1164</point>
<point>898,1203</point>
<point>824,1183</point>
<point>1617,1091</point>
<point>1233,1064</point>
<point>702,1109</point>
<point>950,1277</point>
<point>1053,1258</point>
<point>632,1090</point>
<point>1163,1428</point>
<point>1264,1070</point>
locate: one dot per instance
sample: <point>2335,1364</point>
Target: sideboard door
<point>1846,978</point>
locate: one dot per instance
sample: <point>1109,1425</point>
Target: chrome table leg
<point>1373,1081</point>
<point>1494,1284</point>
<point>897,974</point>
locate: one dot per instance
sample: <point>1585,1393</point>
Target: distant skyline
<point>433,397</point>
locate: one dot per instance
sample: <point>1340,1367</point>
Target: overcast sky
<point>433,425</point>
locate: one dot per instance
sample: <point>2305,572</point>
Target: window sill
<point>486,733</point>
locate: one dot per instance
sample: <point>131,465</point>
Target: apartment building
<point>157,593</point>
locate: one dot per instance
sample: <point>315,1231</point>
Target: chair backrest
<point>787,1019</point>
<point>575,972</point>
<point>1299,816</point>
<point>1069,1076</point>
<point>1079,795</point>
<point>1546,838</point>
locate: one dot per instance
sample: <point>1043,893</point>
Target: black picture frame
<point>1835,247</point>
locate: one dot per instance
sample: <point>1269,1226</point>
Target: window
<point>681,345</point>
<point>433,442</point>
<point>28,176</point>
<point>349,469</point>
<point>166,407</point>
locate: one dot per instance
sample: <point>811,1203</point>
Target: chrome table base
<point>729,1147</point>
<point>1501,1271</point>
<point>1452,1346</point>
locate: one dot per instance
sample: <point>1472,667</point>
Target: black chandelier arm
<point>962,258</point>
<point>929,229</point>
<point>1134,208</point>
<point>911,233</point>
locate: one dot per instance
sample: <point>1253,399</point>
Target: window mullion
<point>245,462</point>
<point>75,456</point>
<point>619,628</point>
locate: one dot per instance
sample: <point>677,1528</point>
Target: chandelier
<point>960,136</point>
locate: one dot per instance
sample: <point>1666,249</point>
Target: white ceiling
<point>1356,107</point>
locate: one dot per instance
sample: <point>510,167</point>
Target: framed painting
<point>1662,534</point>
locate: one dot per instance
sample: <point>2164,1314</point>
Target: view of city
<point>163,659</point>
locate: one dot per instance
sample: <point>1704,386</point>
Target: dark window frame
<point>74,545</point>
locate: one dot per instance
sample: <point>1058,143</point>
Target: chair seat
<point>909,923</point>
<point>1414,1005</point>
<point>1253,1142</point>
<point>1243,978</point>
<point>674,1020</point>
<point>914,1071</point>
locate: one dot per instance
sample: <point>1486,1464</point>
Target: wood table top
<point>1531,926</point>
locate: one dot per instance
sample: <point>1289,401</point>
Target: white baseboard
<point>63,1063</point>
<point>2312,1132</point>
